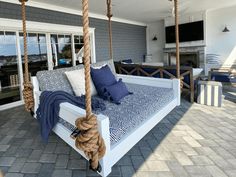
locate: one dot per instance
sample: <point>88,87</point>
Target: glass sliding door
<point>37,52</point>
<point>9,75</point>
<point>46,50</point>
<point>79,44</point>
<point>61,50</point>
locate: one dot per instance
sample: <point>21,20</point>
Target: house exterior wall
<point>129,41</point>
<point>219,43</point>
<point>156,48</point>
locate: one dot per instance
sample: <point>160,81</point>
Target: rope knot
<point>89,140</point>
<point>28,96</point>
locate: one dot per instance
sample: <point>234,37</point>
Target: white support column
<point>93,46</point>
<point>103,126</point>
<point>19,63</point>
<point>49,51</point>
<point>73,50</point>
<point>147,39</point>
<point>177,91</point>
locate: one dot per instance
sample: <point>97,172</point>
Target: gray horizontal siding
<point>129,41</point>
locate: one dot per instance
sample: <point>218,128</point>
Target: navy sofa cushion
<point>102,77</point>
<point>116,92</point>
<point>128,61</point>
<point>223,77</point>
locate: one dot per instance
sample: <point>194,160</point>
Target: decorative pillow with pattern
<point>55,80</point>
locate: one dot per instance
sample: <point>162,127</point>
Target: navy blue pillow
<point>116,92</point>
<point>102,77</point>
<point>129,61</point>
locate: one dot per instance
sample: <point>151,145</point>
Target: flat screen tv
<point>193,31</point>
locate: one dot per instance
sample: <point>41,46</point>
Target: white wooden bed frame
<point>114,153</point>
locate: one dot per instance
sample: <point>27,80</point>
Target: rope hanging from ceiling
<point>177,45</point>
<point>110,15</point>
<point>177,39</point>
<point>28,88</point>
<point>89,140</point>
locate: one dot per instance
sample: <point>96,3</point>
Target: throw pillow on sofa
<point>55,80</point>
<point>107,86</point>
<point>116,92</point>
<point>102,77</point>
<point>110,63</point>
<point>77,81</point>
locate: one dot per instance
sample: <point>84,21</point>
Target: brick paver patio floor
<point>192,141</point>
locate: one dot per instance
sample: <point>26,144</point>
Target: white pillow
<point>77,81</point>
<point>99,67</point>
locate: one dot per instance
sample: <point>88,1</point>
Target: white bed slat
<point>70,113</point>
<point>150,81</point>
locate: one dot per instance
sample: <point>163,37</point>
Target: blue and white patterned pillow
<point>55,80</point>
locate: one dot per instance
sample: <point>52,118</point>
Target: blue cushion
<point>220,77</point>
<point>102,77</point>
<point>127,61</point>
<point>116,92</point>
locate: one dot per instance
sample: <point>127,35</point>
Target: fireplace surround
<point>189,56</point>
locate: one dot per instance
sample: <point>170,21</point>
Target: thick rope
<point>177,39</point>
<point>177,45</point>
<point>28,88</point>
<point>109,15</point>
<point>1,174</point>
<point>89,140</point>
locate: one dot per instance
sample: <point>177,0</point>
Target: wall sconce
<point>225,30</point>
<point>154,38</point>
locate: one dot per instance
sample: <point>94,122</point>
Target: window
<point>79,44</point>
<point>37,52</point>
<point>61,50</point>
<point>49,47</point>
<point>9,75</point>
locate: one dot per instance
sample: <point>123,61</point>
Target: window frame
<point>11,25</point>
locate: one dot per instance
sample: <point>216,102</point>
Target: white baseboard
<point>11,105</point>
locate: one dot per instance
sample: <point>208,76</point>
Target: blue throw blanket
<point>48,111</point>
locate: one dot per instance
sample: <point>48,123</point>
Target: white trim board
<point>75,12</point>
<point>11,24</point>
<point>11,105</point>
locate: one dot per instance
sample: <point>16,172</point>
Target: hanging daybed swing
<point>94,140</point>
